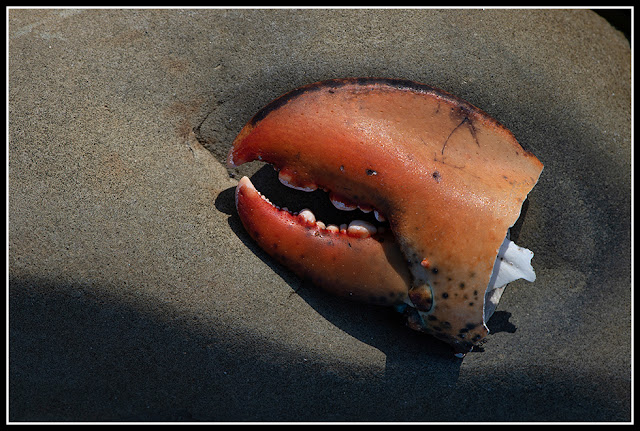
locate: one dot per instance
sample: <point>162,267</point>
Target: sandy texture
<point>135,294</point>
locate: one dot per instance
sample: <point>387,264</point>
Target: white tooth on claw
<point>342,206</point>
<point>365,208</point>
<point>333,228</point>
<point>379,216</point>
<point>308,216</point>
<point>287,179</point>
<point>361,228</point>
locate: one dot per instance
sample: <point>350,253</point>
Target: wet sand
<point>135,294</point>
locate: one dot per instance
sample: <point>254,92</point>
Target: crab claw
<point>449,179</point>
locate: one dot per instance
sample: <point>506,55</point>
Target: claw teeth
<point>342,203</point>
<point>357,228</point>
<point>288,180</point>
<point>379,216</point>
<point>361,229</point>
<point>308,216</point>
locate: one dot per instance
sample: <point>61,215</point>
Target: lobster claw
<point>449,179</point>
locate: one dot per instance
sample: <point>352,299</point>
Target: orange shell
<point>450,179</point>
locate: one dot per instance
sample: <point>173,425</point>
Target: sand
<point>135,294</point>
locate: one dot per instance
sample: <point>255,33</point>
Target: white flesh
<point>513,262</point>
